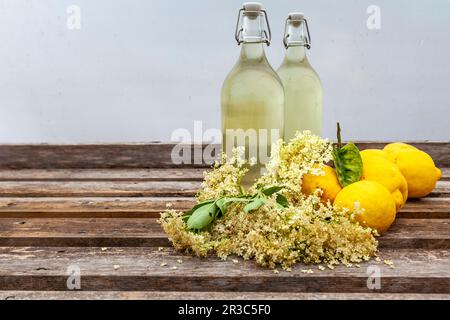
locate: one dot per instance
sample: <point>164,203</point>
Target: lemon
<point>374,152</point>
<point>329,184</point>
<point>419,171</point>
<point>417,167</point>
<point>371,203</point>
<point>391,150</point>
<point>377,168</point>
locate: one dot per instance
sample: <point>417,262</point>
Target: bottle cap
<point>252,11</point>
<point>296,16</point>
<point>252,6</point>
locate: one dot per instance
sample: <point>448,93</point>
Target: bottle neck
<point>296,41</point>
<point>296,54</point>
<point>252,52</point>
<point>252,38</point>
<point>252,28</point>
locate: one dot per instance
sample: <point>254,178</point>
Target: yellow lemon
<point>391,150</point>
<point>374,152</point>
<point>417,167</point>
<point>329,184</point>
<point>370,202</point>
<point>419,171</point>
<point>377,168</point>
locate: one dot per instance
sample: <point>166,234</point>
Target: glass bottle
<point>252,94</point>
<point>302,86</point>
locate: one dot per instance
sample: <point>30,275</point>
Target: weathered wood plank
<point>442,190</point>
<point>417,233</point>
<point>144,155</point>
<point>124,188</point>
<point>445,174</point>
<point>143,269</point>
<point>185,295</point>
<point>98,188</point>
<point>141,232</point>
<point>82,232</point>
<point>156,174</point>
<point>96,204</point>
<point>150,207</point>
<point>132,155</point>
<point>181,174</point>
<point>431,208</point>
<point>121,207</point>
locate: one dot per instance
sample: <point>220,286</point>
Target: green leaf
<point>204,213</point>
<point>198,205</point>
<point>282,201</point>
<point>254,205</point>
<point>222,203</point>
<point>270,191</point>
<point>202,216</point>
<point>189,213</point>
<point>347,161</point>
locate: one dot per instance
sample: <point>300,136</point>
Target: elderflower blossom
<point>225,178</point>
<point>308,231</point>
<point>304,154</point>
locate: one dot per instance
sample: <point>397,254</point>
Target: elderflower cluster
<point>305,154</point>
<point>225,178</point>
<point>308,231</point>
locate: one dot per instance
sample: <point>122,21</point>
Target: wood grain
<point>140,232</point>
<point>140,269</point>
<point>140,155</point>
<point>125,189</point>
<point>96,206</point>
<point>432,208</point>
<point>99,207</point>
<point>82,232</point>
<point>150,207</point>
<point>445,174</point>
<point>132,155</point>
<point>417,233</point>
<point>185,295</point>
<point>442,190</point>
<point>98,188</point>
<point>179,174</point>
<point>156,174</point>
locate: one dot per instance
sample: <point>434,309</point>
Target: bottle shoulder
<point>297,69</point>
<point>252,73</point>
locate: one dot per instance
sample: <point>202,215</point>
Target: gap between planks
<point>151,269</point>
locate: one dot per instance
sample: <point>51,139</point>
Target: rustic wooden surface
<point>96,206</point>
<point>139,155</point>
<point>186,295</point>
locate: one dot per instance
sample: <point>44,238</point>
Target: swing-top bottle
<point>252,94</point>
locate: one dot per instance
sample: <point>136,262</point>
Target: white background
<point>137,70</point>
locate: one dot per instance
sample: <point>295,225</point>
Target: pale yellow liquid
<point>252,98</point>
<point>303,94</point>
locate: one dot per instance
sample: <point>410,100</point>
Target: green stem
<point>339,135</point>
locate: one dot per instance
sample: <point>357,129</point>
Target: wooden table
<point>94,207</point>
